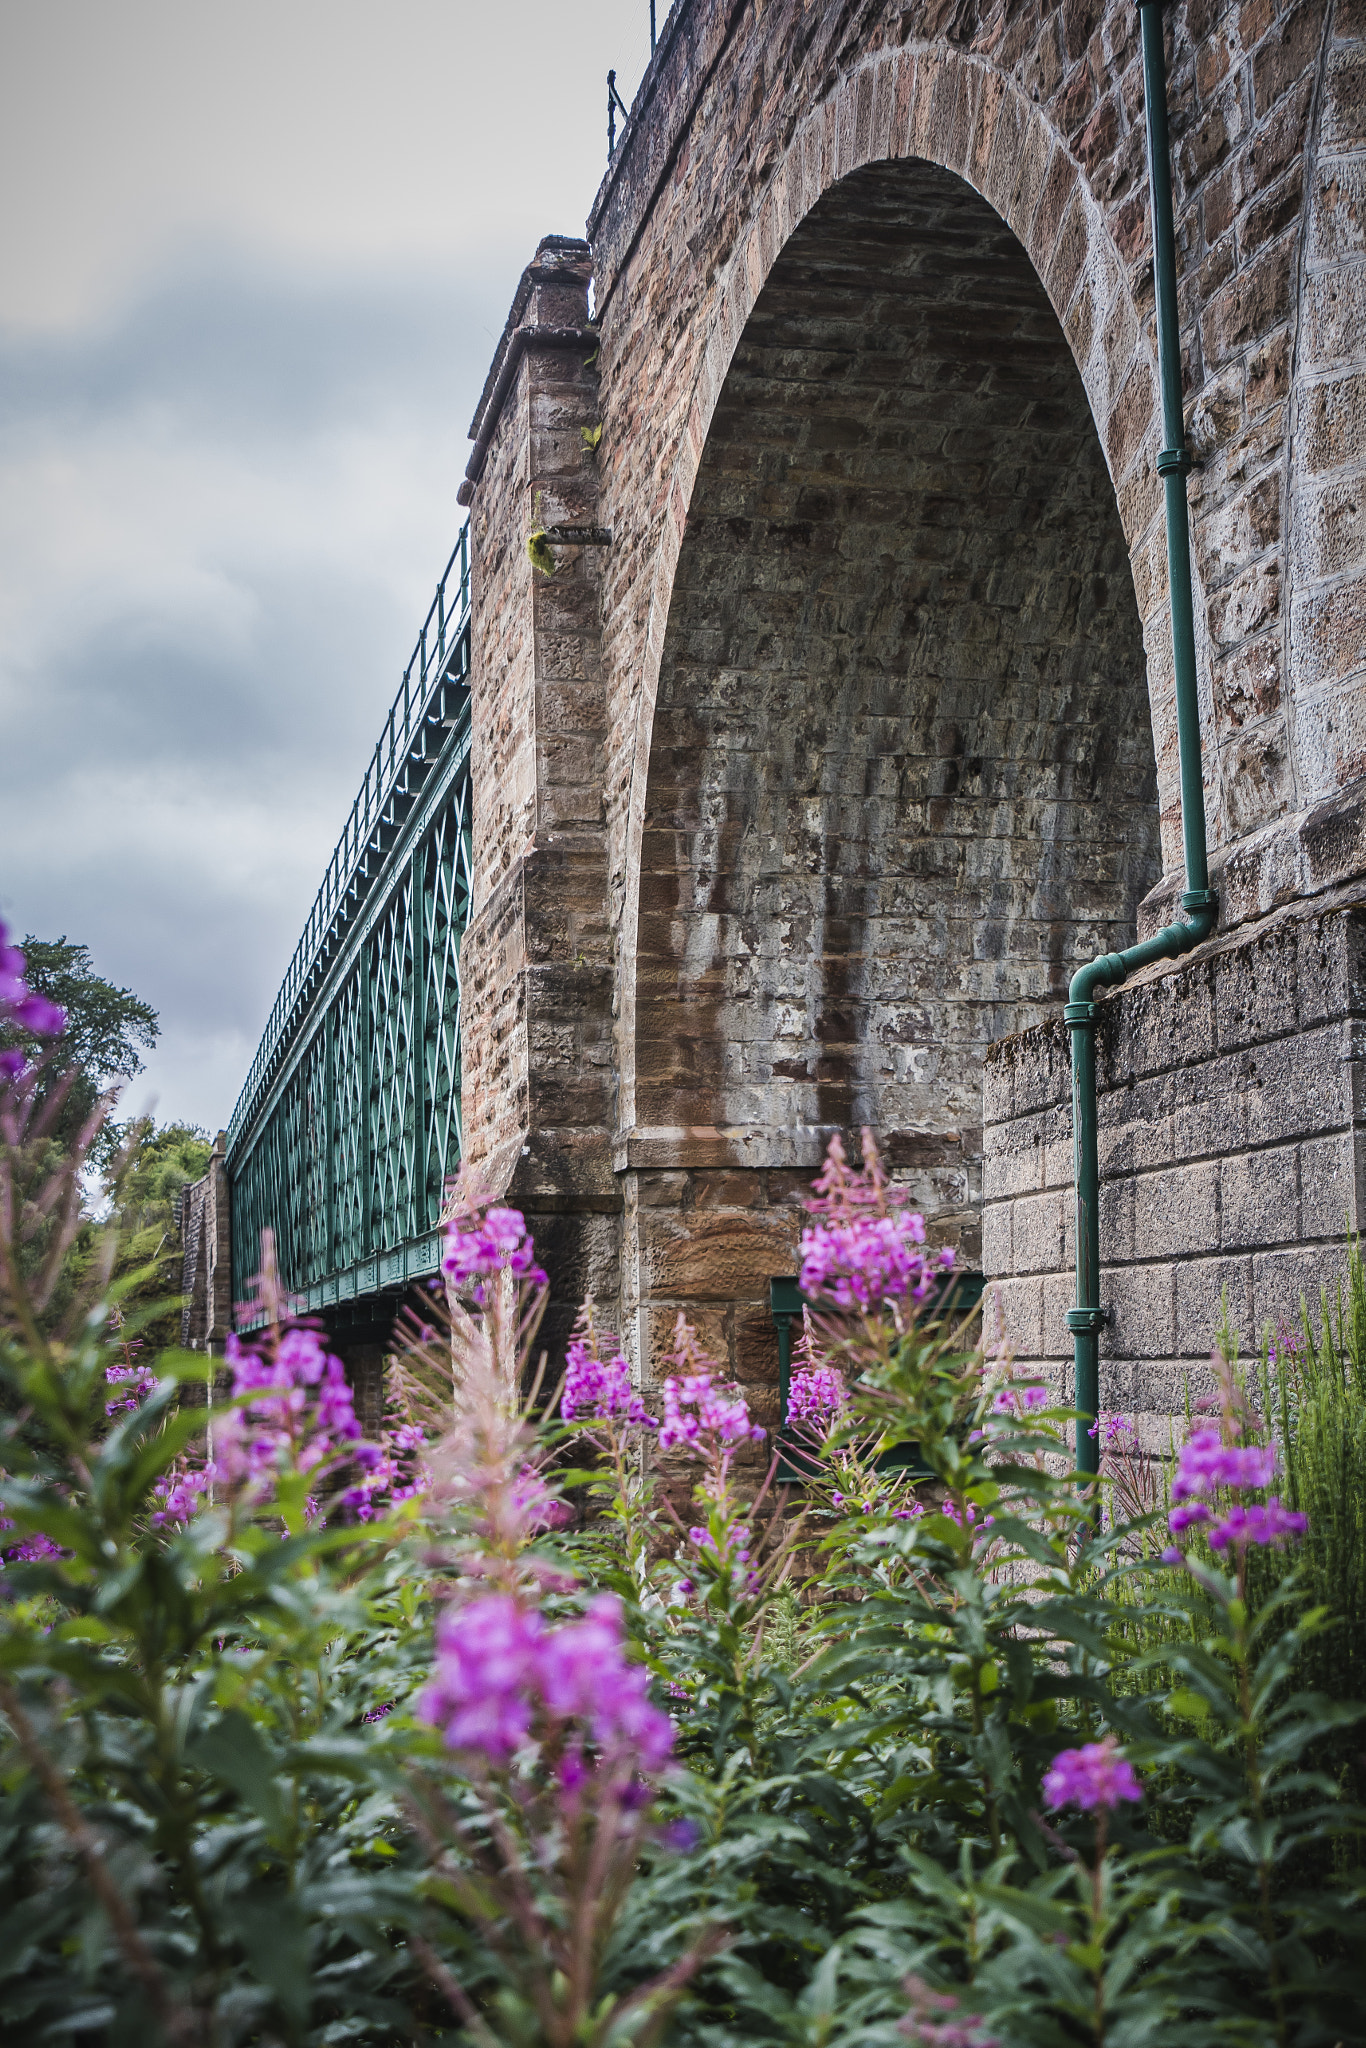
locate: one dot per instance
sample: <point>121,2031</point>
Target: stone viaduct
<point>843,731</point>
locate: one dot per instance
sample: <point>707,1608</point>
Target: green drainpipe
<point>1173,464</point>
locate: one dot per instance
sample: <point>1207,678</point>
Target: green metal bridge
<point>349,1123</point>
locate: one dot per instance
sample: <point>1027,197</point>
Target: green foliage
<point>107,1031</point>
<point>224,1820</point>
<point>144,1186</point>
<point>539,552</point>
<point>1314,1393</point>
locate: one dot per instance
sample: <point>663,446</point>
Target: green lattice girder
<point>349,1125</point>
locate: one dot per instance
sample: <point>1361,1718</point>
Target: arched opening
<point>902,776</point>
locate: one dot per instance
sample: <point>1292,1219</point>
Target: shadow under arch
<point>901,775</point>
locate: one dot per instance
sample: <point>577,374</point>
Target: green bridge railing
<point>349,1123</point>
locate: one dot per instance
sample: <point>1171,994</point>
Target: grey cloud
<point>186,716</point>
<point>231,347</point>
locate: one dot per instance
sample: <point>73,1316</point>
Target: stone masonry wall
<point>1232,1156</point>
<point>206,1257</point>
<point>748,121</point>
<point>536,1031</point>
<point>741,127</point>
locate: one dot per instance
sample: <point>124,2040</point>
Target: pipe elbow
<point>1202,914</point>
<point>1102,972</point>
<point>1108,969</point>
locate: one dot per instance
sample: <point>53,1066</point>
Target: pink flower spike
<point>859,1264</point>
<point>1271,1524</point>
<point>1097,1774</point>
<point>479,1249</point>
<point>818,1396</point>
<point>1206,1463</point>
<point>600,1388</point>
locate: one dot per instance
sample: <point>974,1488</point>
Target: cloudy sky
<point>254,260</point>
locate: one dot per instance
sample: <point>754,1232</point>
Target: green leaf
<point>274,1933</point>
<point>1191,1706</point>
<point>232,1750</point>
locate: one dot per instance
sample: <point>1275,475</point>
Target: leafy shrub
<point>468,1733</point>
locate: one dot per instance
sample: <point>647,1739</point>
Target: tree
<point>107,1030</point>
<point>154,1167</point>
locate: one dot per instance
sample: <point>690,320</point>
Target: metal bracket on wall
<point>578,536</point>
<point>1089,1318</point>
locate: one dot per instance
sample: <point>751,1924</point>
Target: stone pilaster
<point>536,959</point>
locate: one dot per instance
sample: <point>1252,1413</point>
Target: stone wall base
<point>1231,1155</point>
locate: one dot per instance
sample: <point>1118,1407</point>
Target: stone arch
<point>953,110</point>
<point>901,777</point>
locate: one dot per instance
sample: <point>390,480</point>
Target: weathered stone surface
<point>206,1257</point>
<point>818,784</point>
<point>1238,1170</point>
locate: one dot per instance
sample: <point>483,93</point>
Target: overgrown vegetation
<point>465,1734</point>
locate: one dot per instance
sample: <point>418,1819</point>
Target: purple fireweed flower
<point>1189,1516</point>
<point>499,1672</point>
<point>1097,1774</point>
<point>1206,1463</point>
<point>36,1014</point>
<point>298,1412</point>
<point>479,1248</point>
<point>1116,1433</point>
<point>817,1395</point>
<point>485,1671</point>
<point>699,1416</point>
<point>600,1388</point>
<point>300,1408</point>
<point>1271,1524</point>
<point>389,1474</point>
<point>179,1494</point>
<point>1019,1400</point>
<point>33,1549</point>
<point>21,1006</point>
<point>858,1264</point>
<point>136,1383</point>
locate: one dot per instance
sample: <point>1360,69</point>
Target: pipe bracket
<point>1174,462</point>
<point>1199,899</point>
<point>1079,1013</point>
<point>1087,1319</point>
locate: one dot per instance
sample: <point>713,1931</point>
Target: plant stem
<point>179,2022</point>
<point>1242,1636</point>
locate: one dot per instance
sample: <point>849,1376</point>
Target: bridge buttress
<point>537,1065</point>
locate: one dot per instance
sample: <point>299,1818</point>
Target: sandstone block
<point>1201,1288</point>
<point>997,1238</point>
<point>1140,1298</point>
<point>1282,1279</point>
<point>1037,1233</point>
<point>1176,1211</point>
<point>1260,1198</point>
<point>1331,1176</point>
